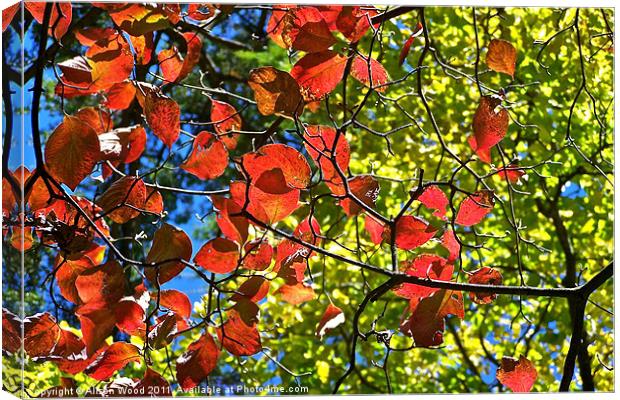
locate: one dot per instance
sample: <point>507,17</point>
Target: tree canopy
<point>346,199</point>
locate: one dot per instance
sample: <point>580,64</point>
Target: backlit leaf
<point>518,375</point>
<point>239,338</point>
<point>169,244</point>
<point>197,362</point>
<point>370,72</point>
<point>218,255</point>
<point>502,57</point>
<point>209,157</point>
<point>72,151</point>
<point>276,92</point>
<point>484,276</point>
<point>318,74</point>
<point>116,357</point>
<point>475,207</point>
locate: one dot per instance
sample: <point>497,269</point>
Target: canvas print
<point>289,200</point>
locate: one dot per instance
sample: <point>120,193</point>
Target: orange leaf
<point>296,294</point>
<point>218,255</point>
<point>60,16</point>
<point>502,57</point>
<point>276,92</point>
<point>169,244</point>
<point>484,276</point>
<point>164,117</point>
<point>123,199</point>
<point>318,74</point>
<point>72,151</point>
<point>209,157</point>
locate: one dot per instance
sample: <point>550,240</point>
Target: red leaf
<point>330,15</point>
<point>270,198</point>
<point>163,331</point>
<point>41,333</point>
<point>105,284</point>
<point>370,73</point>
<point>154,201</point>
<point>307,232</point>
<point>254,289</point>
<point>489,126</point>
<point>484,276</point>
<point>502,57</point>
<point>116,357</point>
<point>197,362</point>
<point>321,141</point>
<point>97,323</point>
<point>318,74</point>
<point>76,78</point>
<point>130,316</point>
<point>175,301</point>
<point>374,228</point>
<point>434,198</point>
<point>296,294</point>
<point>517,375</point>
<point>404,52</point>
<point>448,240</point>
<point>291,261</point>
<point>174,67</point>
<point>475,207</point>
<point>239,338</point>
<point>411,232</point>
<point>366,189</point>
<point>304,29</point>
<point>59,20</point>
<point>88,36</point>
<point>8,14</point>
<point>276,92</point>
<point>120,95</point>
<point>275,24</point>
<point>511,172</point>
<point>332,317</point>
<point>70,354</point>
<point>258,255</point>
<point>72,151</point>
<point>354,21</point>
<point>233,226</point>
<point>68,269</point>
<point>209,157</point>
<point>153,384</point>
<point>164,117</point>
<point>248,310</point>
<point>426,322</point>
<point>169,243</point>
<point>425,266</point>
<point>225,119</point>
<point>291,162</point>
<point>11,332</point>
<point>218,255</point>
<point>123,199</point>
